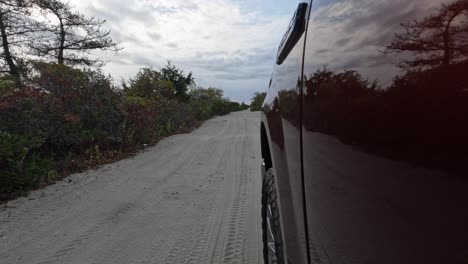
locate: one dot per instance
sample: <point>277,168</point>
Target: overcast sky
<point>230,44</point>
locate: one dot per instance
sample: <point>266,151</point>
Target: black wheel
<point>272,239</point>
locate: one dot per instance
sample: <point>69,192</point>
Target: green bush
<point>257,101</point>
<point>149,83</point>
<point>29,112</point>
<point>175,116</point>
<point>7,84</point>
<point>140,123</point>
<point>22,166</point>
<point>208,102</point>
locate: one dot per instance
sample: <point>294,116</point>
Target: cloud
<point>154,36</point>
<point>223,40</point>
<point>172,45</point>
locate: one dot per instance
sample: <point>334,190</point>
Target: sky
<point>229,44</point>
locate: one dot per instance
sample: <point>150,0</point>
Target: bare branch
<point>436,39</point>
<point>74,35</point>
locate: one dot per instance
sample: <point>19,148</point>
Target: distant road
<point>193,198</point>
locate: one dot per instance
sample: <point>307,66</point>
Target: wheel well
<point>266,154</point>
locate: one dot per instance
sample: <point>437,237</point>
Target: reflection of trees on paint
<point>436,40</point>
<point>288,102</point>
<point>335,101</point>
<point>420,118</point>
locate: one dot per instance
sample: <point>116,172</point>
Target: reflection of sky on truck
<point>348,35</point>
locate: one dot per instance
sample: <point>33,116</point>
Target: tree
<point>437,40</point>
<point>177,77</point>
<point>73,35</point>
<point>16,30</point>
<point>208,102</point>
<point>209,94</point>
<point>149,84</point>
<point>257,101</point>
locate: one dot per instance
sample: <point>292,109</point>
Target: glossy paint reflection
<point>384,126</point>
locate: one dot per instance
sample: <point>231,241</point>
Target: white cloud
<point>221,41</point>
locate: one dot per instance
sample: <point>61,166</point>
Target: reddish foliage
<point>12,99</point>
<point>141,120</point>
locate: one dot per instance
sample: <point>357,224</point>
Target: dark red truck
<point>364,134</point>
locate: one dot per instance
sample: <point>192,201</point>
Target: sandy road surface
<point>193,198</point>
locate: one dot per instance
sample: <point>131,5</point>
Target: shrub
<point>257,101</point>
<point>88,104</point>
<point>204,102</point>
<point>140,121</point>
<point>208,102</point>
<point>174,117</point>
<point>7,84</point>
<point>22,167</point>
<point>149,84</point>
<point>32,108</point>
<point>58,79</point>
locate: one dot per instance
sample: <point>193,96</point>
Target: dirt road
<point>193,198</point>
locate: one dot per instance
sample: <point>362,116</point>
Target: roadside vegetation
<point>60,114</point>
<point>257,101</point>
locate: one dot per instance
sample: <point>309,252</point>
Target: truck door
<point>384,131</point>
